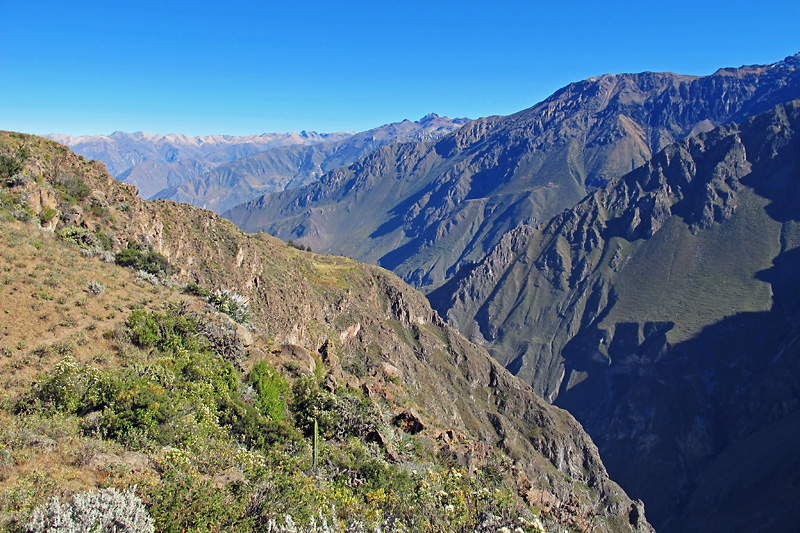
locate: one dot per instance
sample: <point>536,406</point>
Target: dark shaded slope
<point>662,311</point>
<point>424,211</point>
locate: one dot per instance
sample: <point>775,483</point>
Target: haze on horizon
<point>201,68</point>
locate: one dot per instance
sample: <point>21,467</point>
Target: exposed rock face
<point>425,210</point>
<point>657,311</point>
<point>291,167</point>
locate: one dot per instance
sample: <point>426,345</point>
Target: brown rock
<point>137,461</point>
<point>305,362</point>
<point>391,371</point>
<point>409,421</point>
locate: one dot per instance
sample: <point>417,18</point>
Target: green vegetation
<point>138,258</point>
<point>233,460</point>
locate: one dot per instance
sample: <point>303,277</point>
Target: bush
<point>171,333</point>
<point>234,305</point>
<point>9,165</point>
<point>272,389</point>
<point>150,262</point>
<point>95,287</point>
<point>68,388</point>
<point>47,215</point>
<point>105,511</point>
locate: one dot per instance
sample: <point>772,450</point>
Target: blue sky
<point>240,68</point>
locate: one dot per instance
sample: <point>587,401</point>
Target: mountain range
<point>153,162</point>
<point>291,167</point>
<point>219,172</point>
<point>656,310</point>
<point>627,248</point>
<point>424,210</point>
<point>662,312</point>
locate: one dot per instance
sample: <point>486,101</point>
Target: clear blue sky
<point>234,67</point>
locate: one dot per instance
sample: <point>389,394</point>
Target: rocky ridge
<point>425,210</point>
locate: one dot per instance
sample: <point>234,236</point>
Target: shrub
<point>150,262</point>
<point>47,215</point>
<point>95,287</point>
<point>68,388</point>
<point>76,235</point>
<point>171,332</point>
<point>105,511</point>
<point>196,290</point>
<point>9,165</point>
<point>272,389</point>
<point>232,304</point>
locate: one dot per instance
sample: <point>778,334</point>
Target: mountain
<point>424,210</point>
<point>291,167</point>
<point>155,162</point>
<point>236,383</point>
<point>663,312</point>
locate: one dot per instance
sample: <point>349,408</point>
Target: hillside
<point>209,405</point>
<point>425,210</point>
<point>291,167</point>
<point>662,311</point>
<point>154,162</point>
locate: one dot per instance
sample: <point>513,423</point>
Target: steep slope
<point>662,311</point>
<point>155,162</point>
<point>292,167</point>
<point>355,327</point>
<point>424,210</point>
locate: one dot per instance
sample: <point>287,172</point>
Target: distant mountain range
<point>291,167</point>
<point>154,162</point>
<point>219,172</point>
<point>424,210</point>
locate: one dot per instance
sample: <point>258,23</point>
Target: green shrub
<point>47,215</point>
<point>272,389</point>
<point>150,262</point>
<point>232,304</point>
<point>171,332</point>
<point>196,290</point>
<point>69,388</point>
<point>198,507</point>
<point>9,165</point>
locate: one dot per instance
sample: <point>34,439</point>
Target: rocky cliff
<point>662,312</point>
